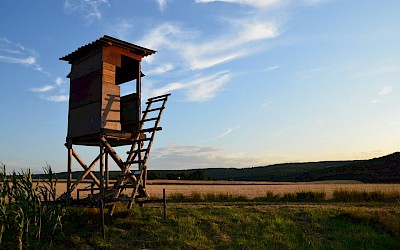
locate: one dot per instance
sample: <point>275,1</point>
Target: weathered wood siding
<point>95,101</point>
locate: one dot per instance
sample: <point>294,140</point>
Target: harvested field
<point>251,189</point>
<point>260,190</point>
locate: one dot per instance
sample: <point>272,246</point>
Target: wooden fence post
<point>102,218</point>
<point>165,205</point>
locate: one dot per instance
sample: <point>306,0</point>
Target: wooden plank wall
<point>110,107</point>
<point>95,100</point>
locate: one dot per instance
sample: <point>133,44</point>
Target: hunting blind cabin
<point>99,116</point>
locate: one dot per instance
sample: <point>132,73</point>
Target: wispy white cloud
<point>271,68</point>
<point>59,81</point>
<point>194,56</point>
<point>315,2</point>
<point>386,90</point>
<point>195,90</point>
<point>184,150</point>
<point>266,104</point>
<point>91,8</point>
<point>54,92</point>
<point>264,3</point>
<point>43,89</point>
<point>11,52</point>
<point>162,4</point>
<point>189,157</point>
<point>383,92</point>
<point>16,53</point>
<point>195,52</point>
<point>225,133</point>
<point>160,69</point>
<point>203,55</point>
<point>253,3</point>
<point>230,46</point>
<point>56,98</point>
<point>204,89</point>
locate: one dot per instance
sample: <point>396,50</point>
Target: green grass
<point>222,226</point>
<point>302,220</point>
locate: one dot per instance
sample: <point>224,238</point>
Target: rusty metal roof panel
<point>104,42</point>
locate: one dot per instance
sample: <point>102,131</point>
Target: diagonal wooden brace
<point>87,171</point>
<point>125,169</point>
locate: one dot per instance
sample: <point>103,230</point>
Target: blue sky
<point>253,82</point>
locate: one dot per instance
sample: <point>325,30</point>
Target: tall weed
<point>364,196</point>
<point>28,211</point>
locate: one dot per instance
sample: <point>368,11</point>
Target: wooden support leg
<point>102,171</point>
<point>144,176</point>
<point>107,172</point>
<point>69,178</point>
<point>125,168</point>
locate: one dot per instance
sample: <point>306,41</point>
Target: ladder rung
<point>156,100</point>
<point>128,174</point>
<point>146,120</point>
<point>146,130</point>
<point>155,109</point>
<point>150,119</point>
<point>158,97</point>
<point>126,186</point>
<point>140,140</point>
<point>134,162</point>
<point>136,150</point>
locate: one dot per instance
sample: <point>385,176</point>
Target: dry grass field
<point>250,189</point>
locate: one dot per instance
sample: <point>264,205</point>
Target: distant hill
<point>382,169</point>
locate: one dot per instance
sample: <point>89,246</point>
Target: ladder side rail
<point>137,138</point>
<point>155,125</point>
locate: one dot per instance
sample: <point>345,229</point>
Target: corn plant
<point>24,205</point>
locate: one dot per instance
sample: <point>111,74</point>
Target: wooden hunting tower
<point>99,116</point>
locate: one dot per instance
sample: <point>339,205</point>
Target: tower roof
<point>104,42</point>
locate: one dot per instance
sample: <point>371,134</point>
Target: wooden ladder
<point>140,149</point>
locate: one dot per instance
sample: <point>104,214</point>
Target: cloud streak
<point>225,133</point>
<point>54,92</point>
<point>162,4</point>
<point>161,69</point>
<point>252,3</point>
<point>189,157</point>
<point>199,89</point>
<point>15,53</point>
<point>204,55</point>
<point>383,92</point>
<point>91,8</point>
<point>263,4</point>
<point>43,89</point>
<point>56,98</point>
<point>386,90</point>
<point>191,52</point>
